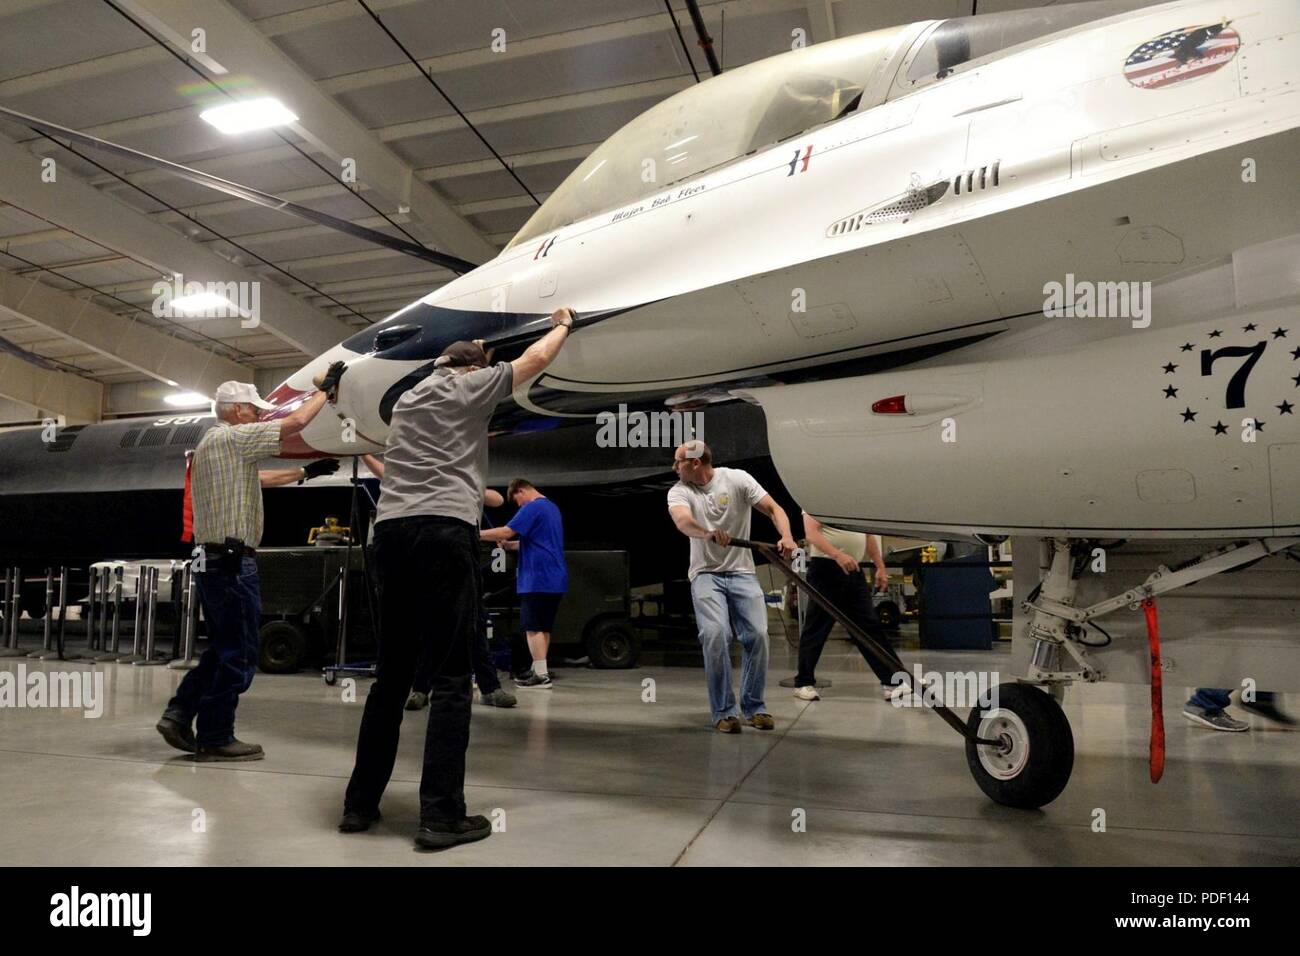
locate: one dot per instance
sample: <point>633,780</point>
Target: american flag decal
<point>1181,54</point>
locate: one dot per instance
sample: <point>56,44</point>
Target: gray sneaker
<point>533,682</point>
<point>1214,719</point>
<point>417,701</point>
<point>499,698</point>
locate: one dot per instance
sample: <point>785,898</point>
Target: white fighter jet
<point>1026,274</point>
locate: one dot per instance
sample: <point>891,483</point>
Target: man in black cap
<point>427,554</point>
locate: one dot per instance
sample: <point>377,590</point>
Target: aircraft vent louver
<point>155,436</point>
<point>971,180</point>
<point>129,439</point>
<point>899,209</point>
<point>64,437</point>
<point>186,434</point>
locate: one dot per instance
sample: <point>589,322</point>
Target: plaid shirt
<point>224,484</point>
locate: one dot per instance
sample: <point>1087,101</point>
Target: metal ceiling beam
<point>821,15</point>
<point>136,345</point>
<point>564,42</point>
<point>235,44</point>
<point>80,208</point>
<point>548,106</point>
<point>343,10</point>
<point>77,399</point>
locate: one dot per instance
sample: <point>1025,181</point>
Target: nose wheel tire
<point>1031,764</point>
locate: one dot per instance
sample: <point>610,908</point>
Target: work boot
<point>177,734</point>
<point>728,725</point>
<point>499,698</point>
<point>235,750</point>
<point>760,722</point>
<point>438,834</point>
<point>417,701</point>
<point>355,821</point>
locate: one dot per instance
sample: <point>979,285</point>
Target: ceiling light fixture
<point>186,399</point>
<point>205,303</point>
<point>248,115</point>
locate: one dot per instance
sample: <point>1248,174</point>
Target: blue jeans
<point>232,608</point>
<point>1212,699</point>
<point>726,602</point>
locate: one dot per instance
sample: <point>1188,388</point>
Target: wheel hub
<point>1007,760</point>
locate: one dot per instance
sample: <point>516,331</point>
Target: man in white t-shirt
<point>711,506</point>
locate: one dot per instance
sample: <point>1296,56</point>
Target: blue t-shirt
<point>541,548</point>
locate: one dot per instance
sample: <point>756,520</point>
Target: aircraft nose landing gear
<point>1030,764</point>
<point>1020,752</point>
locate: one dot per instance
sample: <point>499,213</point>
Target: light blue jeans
<point>723,603</point>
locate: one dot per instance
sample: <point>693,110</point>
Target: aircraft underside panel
<point>1184,432</point>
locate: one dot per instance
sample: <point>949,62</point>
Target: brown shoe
<point>728,725</point>
<point>761,722</point>
<point>235,750</point>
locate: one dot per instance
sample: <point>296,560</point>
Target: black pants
<point>485,672</point>
<point>430,602</point>
<point>852,595</point>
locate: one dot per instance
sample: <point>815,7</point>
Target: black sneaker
<point>417,701</point>
<point>1270,710</point>
<point>177,734</point>
<point>532,681</point>
<point>235,750</point>
<point>438,835</point>
<point>355,821</point>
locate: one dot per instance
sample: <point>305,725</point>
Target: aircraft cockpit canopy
<point>765,102</point>
<point>963,40</point>
<point>715,122</point>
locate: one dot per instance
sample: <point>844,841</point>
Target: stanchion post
<point>151,620</point>
<point>190,622</point>
<point>14,612</point>
<point>135,657</point>
<point>47,622</point>
<point>116,643</point>
<point>59,652</point>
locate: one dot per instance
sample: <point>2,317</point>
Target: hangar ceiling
<point>78,263</point>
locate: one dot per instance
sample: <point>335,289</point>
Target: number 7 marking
<point>1236,394</point>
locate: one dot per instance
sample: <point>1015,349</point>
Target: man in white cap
<point>226,488</point>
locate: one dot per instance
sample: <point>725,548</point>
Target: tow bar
<point>865,642</point>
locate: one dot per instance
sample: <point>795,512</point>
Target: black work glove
<point>321,466</point>
<point>329,382</point>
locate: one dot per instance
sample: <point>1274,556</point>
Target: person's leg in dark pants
<point>485,673</point>
<point>817,624</point>
<point>404,611</point>
<point>862,612</point>
<point>423,674</point>
<point>457,594</point>
<point>232,608</point>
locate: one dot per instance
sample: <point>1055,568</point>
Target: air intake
<point>899,209</point>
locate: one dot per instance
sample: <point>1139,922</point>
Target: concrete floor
<point>589,774</point>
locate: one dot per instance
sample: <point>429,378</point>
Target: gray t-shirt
<point>725,503</point>
<point>437,455</point>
